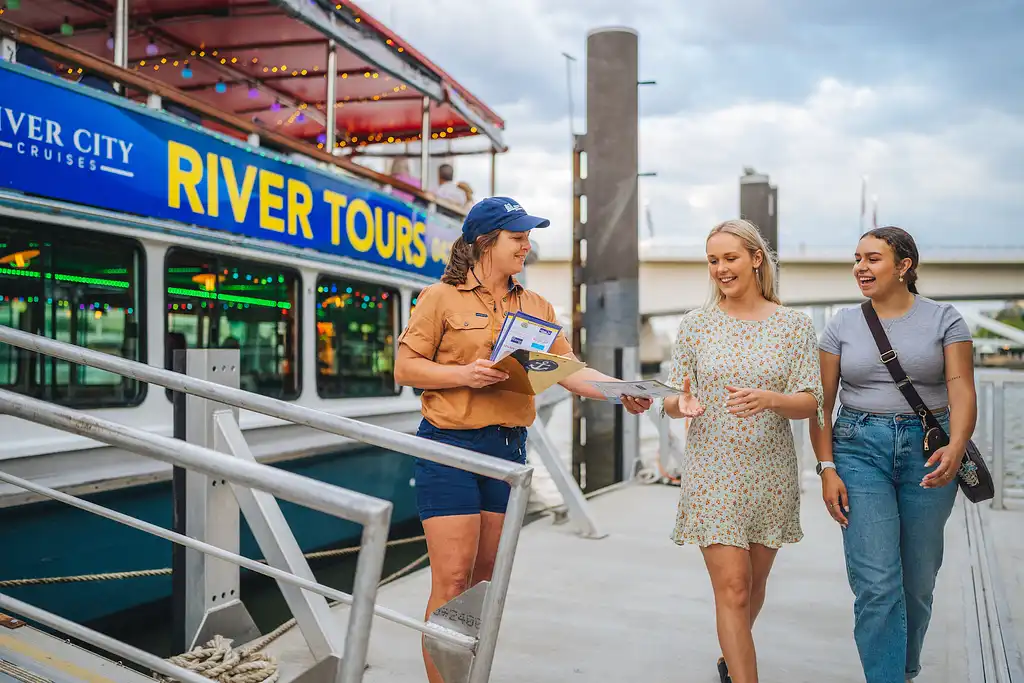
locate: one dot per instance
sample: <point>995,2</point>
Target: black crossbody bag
<point>973,476</point>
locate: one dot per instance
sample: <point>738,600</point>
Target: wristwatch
<point>822,466</point>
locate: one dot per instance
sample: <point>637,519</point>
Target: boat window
<point>74,286</point>
<point>412,307</point>
<point>220,302</point>
<point>355,338</point>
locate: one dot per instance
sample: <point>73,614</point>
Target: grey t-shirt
<point>918,337</point>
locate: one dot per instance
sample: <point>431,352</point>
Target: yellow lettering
<point>419,233</point>
<point>358,208</point>
<point>337,201</point>
<point>300,203</point>
<point>212,185</point>
<point>403,253</point>
<point>238,196</point>
<point>385,247</point>
<point>269,201</point>
<point>179,179</point>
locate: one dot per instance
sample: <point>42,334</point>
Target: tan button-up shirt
<point>455,325</point>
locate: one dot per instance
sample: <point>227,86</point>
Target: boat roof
<point>265,60</point>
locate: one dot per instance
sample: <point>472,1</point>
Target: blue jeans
<point>894,540</point>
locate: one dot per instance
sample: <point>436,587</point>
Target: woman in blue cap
<point>444,351</point>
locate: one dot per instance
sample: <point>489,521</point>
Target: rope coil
<point>218,661</point>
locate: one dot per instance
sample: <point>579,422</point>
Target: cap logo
<point>512,207</point>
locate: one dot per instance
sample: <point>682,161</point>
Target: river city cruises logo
<point>48,140</point>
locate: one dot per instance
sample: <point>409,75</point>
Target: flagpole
<point>863,202</point>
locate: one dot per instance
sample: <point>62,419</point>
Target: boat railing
<point>221,478</point>
<point>158,93</point>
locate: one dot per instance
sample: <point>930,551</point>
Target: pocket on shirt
<point>468,336</point>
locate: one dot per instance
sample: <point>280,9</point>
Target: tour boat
<point>171,177</point>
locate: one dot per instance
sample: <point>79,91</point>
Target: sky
<point>924,99</point>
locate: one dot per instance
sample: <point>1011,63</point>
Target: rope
<point>145,573</point>
<point>218,661</point>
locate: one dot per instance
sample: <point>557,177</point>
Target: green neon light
<point>102,282</point>
<point>21,273</point>
<point>60,277</point>
<point>199,294</point>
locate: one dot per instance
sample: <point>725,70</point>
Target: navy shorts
<point>442,490</point>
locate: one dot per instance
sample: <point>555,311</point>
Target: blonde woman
<point>745,365</point>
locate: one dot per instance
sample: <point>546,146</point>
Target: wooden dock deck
<point>634,606</point>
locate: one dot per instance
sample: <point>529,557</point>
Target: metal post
<point>213,605</point>
<point>179,589</point>
<point>121,33</point>
<point>425,145</point>
<point>494,171</point>
<point>759,205</point>
<point>497,591</point>
<point>572,496</point>
<point>611,316</point>
<point>332,96</point>
<point>578,192</point>
<point>998,442</point>
<point>279,547</point>
<point>8,50</point>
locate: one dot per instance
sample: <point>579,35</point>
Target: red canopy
<point>266,60</point>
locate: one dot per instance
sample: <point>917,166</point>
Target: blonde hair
<point>765,274</point>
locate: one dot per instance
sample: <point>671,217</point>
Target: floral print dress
<point>740,481</point>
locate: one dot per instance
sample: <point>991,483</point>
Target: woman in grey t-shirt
<point>891,500</point>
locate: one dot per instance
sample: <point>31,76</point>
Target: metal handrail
<point>517,476</point>
<point>991,425</point>
<point>318,495</point>
<point>453,456</point>
<point>344,598</point>
<point>112,645</point>
<point>373,513</point>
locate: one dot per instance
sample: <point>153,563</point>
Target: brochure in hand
<point>522,350</point>
<point>522,331</point>
<point>533,372</point>
<point>652,389</point>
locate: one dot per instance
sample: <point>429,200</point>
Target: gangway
<point>223,478</point>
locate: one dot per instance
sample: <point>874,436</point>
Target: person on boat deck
<point>444,351</point>
<point>891,499</point>
<point>753,366</point>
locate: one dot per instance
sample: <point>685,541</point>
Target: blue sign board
<point>68,143</point>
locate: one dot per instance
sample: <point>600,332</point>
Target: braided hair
<point>903,247</point>
<point>464,256</point>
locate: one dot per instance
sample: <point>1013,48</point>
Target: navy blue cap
<point>498,213</point>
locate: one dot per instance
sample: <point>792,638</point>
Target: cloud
<point>918,97</point>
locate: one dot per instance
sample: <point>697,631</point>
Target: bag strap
<point>892,364</point>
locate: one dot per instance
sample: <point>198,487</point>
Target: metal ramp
<point>28,655</point>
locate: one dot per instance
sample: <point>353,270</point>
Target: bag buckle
<point>889,356</point>
<point>903,382</point>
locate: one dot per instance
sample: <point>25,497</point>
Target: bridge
<point>674,277</point>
